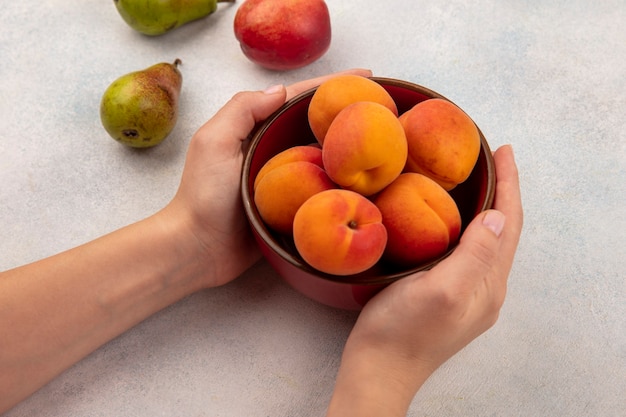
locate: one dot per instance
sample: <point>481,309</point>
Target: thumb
<point>236,119</point>
<point>478,249</point>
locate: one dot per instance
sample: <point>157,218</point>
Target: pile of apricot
<point>375,184</point>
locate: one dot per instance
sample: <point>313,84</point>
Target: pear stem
<point>177,62</point>
<point>226,1</point>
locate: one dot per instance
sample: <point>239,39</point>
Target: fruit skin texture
<point>339,232</point>
<point>283,34</point>
<point>421,218</point>
<point>281,192</point>
<point>140,109</point>
<point>339,92</point>
<point>308,153</point>
<point>156,17</point>
<point>443,142</point>
<point>365,148</point>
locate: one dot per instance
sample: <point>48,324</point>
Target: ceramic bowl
<point>288,127</point>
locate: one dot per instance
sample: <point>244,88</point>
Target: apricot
<point>281,191</point>
<point>308,153</point>
<point>337,93</point>
<point>421,218</point>
<point>339,232</point>
<point>444,143</point>
<point>365,148</point>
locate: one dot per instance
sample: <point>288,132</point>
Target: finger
<point>247,108</point>
<point>488,245</point>
<point>480,259</point>
<point>477,252</point>
<point>234,121</point>
<point>299,87</point>
<point>508,196</point>
<point>508,200</point>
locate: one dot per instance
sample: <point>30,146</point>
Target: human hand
<point>207,207</point>
<point>413,326</point>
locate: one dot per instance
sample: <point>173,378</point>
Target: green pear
<point>140,109</point>
<point>155,17</point>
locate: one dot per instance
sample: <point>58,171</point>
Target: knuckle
<point>482,251</point>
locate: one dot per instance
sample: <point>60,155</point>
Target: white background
<point>546,76</point>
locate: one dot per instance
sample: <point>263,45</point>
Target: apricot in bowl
<point>289,127</point>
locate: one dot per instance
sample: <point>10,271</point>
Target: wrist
<point>186,261</point>
<point>207,257</point>
<point>374,382</point>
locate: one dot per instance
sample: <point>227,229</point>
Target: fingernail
<point>494,220</point>
<point>273,89</point>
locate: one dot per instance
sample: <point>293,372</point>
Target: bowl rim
<point>264,233</point>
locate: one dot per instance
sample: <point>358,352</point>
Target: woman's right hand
<point>413,326</point>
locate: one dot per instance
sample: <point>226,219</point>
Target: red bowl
<point>289,127</point>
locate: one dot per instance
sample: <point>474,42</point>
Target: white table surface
<point>547,76</point>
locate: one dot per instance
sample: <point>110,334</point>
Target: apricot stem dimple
<point>352,224</point>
